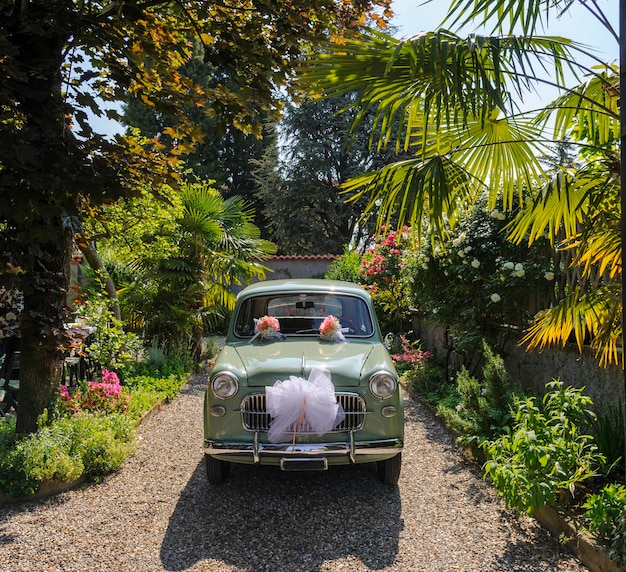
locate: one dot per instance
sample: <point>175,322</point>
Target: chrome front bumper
<point>350,449</point>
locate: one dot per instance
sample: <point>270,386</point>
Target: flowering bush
<point>105,396</point>
<point>381,270</point>
<point>410,356</point>
<point>477,279</point>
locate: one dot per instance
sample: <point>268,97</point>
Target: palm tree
<point>459,102</point>
<point>174,298</point>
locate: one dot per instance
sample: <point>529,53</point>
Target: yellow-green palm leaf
<point>582,318</point>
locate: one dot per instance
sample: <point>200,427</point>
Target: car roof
<point>303,285</point>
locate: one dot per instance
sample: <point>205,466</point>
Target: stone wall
<point>534,369</point>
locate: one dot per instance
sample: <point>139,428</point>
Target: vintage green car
<point>303,382</point>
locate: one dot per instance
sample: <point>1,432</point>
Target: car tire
<point>389,470</point>
<point>216,469</point>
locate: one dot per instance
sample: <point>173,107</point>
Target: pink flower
<point>109,376</point>
<point>267,326</point>
<point>330,329</point>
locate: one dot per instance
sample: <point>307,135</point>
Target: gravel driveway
<point>159,513</point>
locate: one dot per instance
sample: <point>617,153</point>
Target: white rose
<point>495,298</point>
<point>549,275</point>
<point>475,263</point>
<point>509,265</point>
<point>519,273</point>
<point>519,266</point>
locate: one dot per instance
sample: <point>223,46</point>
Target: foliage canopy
<point>64,61</point>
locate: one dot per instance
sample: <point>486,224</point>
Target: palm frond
<point>435,79</point>
<point>593,107</point>
<point>594,318</point>
<point>502,154</point>
<point>528,14</point>
<point>414,189</point>
<point>602,250</point>
<point>560,204</point>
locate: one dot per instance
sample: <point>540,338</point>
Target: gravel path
<point>159,513</point>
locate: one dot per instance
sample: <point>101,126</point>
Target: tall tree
<point>300,181</point>
<point>458,101</point>
<point>58,58</point>
<point>225,154</point>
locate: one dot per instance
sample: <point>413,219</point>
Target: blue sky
<point>413,16</point>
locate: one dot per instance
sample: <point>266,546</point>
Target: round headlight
<point>224,385</point>
<point>382,385</point>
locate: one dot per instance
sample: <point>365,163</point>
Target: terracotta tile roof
<point>304,257</point>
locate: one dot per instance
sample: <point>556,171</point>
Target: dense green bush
<point>546,456</point>
<point>346,267</point>
<point>89,441</point>
<point>64,450</point>
<point>606,516</point>
<point>429,381</point>
<point>476,279</point>
<point>484,408</point>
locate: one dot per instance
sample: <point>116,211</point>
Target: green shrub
<point>545,456</point>
<point>66,449</point>
<point>429,381</point>
<point>347,267</point>
<point>476,278</point>
<point>103,446</point>
<point>484,410</point>
<point>210,348</point>
<point>606,516</point>
<point>159,363</point>
<point>165,388</point>
<point>608,432</point>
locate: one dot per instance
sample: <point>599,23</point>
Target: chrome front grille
<point>255,417</point>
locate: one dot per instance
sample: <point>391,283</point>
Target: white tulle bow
<point>300,406</point>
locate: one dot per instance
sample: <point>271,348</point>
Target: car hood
<point>276,361</point>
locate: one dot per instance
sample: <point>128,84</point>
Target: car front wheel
<point>216,469</point>
<point>389,470</point>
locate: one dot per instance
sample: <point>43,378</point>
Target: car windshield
<point>302,314</point>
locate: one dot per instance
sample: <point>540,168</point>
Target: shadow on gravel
<point>264,519</point>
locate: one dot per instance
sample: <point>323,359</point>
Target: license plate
<point>304,464</point>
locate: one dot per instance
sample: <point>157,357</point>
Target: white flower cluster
<point>516,269</point>
<point>459,240</point>
<point>423,260</point>
<point>495,213</point>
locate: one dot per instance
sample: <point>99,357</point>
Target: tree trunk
<point>94,260</point>
<point>41,174</point>
<point>42,329</point>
